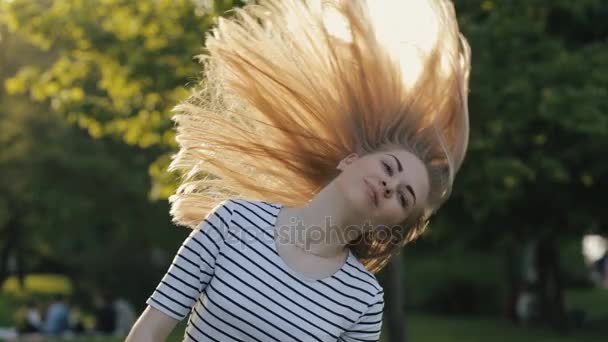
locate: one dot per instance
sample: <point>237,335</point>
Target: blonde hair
<point>290,87</point>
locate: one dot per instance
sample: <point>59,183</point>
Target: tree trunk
<point>9,244</point>
<point>513,271</point>
<point>394,304</point>
<point>551,287</point>
<point>18,247</point>
<point>4,255</point>
<point>403,287</point>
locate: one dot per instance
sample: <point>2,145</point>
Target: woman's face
<point>383,187</point>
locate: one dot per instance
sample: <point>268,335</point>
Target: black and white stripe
<point>229,278</point>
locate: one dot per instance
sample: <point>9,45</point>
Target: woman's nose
<point>386,189</point>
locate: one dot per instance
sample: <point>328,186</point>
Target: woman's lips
<point>372,193</point>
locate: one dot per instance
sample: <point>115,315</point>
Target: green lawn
<point>428,328</point>
<point>436,329</point>
<point>432,328</point>
<point>176,336</point>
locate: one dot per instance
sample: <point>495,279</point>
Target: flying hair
<point>290,87</point>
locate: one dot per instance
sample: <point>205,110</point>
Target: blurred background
<point>86,88</point>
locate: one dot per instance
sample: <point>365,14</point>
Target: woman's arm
<point>369,325</point>
<point>185,280</point>
<point>151,326</point>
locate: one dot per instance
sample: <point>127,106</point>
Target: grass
<point>429,328</point>
<point>449,329</point>
<point>426,271</point>
<point>433,328</point>
<point>593,301</point>
<point>176,336</point>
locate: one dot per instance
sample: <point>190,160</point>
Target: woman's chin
<point>362,207</point>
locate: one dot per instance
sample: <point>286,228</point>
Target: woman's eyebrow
<point>398,162</point>
<point>400,168</point>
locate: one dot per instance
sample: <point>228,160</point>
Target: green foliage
<point>594,302</point>
<point>120,66</point>
<point>49,284</point>
<point>454,280</point>
<point>74,205</point>
<point>538,96</point>
<point>539,123</point>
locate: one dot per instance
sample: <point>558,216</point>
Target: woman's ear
<point>347,161</point>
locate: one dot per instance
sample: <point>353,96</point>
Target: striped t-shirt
<point>229,277</point>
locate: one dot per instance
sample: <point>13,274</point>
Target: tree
<point>113,69</point>
<point>72,204</point>
<point>538,104</point>
<point>120,66</point>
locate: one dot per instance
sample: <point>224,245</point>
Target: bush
<point>44,284</point>
<point>462,296</point>
<point>454,281</point>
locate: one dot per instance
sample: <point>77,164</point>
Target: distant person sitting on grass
<point>105,316</point>
<point>32,320</point>
<point>75,321</point>
<point>125,317</point>
<point>527,310</point>
<point>57,316</point>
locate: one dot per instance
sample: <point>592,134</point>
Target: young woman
<point>322,138</point>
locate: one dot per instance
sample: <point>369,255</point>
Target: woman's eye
<point>388,169</point>
<point>403,200</point>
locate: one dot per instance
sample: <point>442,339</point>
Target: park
<point>518,253</point>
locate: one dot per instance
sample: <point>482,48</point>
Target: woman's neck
<point>321,226</point>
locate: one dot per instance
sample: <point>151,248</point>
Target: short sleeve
<point>369,325</point>
<point>193,265</point>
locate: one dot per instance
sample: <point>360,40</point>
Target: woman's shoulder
<point>357,272</point>
<point>374,288</point>
<point>229,205</point>
<point>246,207</point>
<point>375,284</point>
<point>252,218</point>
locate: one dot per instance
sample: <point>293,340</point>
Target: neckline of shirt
<point>277,209</point>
